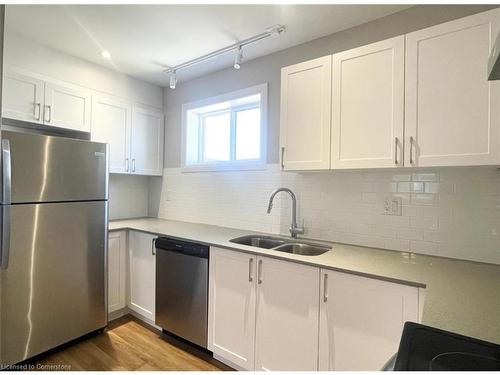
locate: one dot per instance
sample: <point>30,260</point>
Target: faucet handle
<point>296,230</point>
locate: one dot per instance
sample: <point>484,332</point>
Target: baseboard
<point>232,365</point>
<point>117,314</point>
<point>144,319</point>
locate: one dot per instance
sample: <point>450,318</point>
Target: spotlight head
<point>238,58</point>
<point>173,80</point>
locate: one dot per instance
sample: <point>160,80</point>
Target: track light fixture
<point>238,58</point>
<point>273,31</point>
<point>173,79</point>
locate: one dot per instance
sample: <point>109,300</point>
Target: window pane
<point>248,134</point>
<point>216,137</point>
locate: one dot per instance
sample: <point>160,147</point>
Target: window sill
<point>225,167</point>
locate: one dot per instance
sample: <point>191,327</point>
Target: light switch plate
<point>393,206</point>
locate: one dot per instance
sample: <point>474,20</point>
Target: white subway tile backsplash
<point>451,212</point>
<point>128,196</point>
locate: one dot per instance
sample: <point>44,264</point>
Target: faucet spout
<point>294,228</point>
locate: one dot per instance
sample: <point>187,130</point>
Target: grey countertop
<point>460,296</point>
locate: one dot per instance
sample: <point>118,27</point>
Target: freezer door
<point>52,169</point>
<point>53,284</point>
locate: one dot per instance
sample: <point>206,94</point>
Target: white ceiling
<point>144,39</point>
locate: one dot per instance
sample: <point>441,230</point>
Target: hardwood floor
<point>129,344</point>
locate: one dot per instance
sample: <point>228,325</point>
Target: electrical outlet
<point>393,206</point>
<point>168,195</point>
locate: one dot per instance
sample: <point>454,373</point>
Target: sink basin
<point>264,242</point>
<point>303,248</point>
<point>280,244</point>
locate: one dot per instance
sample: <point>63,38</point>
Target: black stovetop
<point>424,348</point>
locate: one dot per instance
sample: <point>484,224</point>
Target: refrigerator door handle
<point>6,199</point>
<point>4,260</point>
<point>6,172</point>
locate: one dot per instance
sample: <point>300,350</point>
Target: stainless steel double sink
<point>283,245</point>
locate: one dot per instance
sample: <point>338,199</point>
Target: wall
<point>451,212</point>
<point>267,69</point>
<point>128,196</point>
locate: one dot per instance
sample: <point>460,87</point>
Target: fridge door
<point>52,169</point>
<point>53,284</point>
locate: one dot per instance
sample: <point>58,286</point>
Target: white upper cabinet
<point>305,115</point>
<point>111,123</point>
<point>286,334</point>
<point>367,106</point>
<point>27,97</point>
<point>67,106</point>
<point>452,110</point>
<point>22,96</point>
<point>134,134</point>
<point>231,312</point>
<point>146,151</point>
<point>361,320</point>
<point>142,271</point>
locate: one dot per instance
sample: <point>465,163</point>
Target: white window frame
<point>231,165</point>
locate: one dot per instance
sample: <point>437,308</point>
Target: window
<point>227,132</point>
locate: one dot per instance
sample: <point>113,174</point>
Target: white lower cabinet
<point>117,271</point>
<point>142,274</point>
<point>286,337</point>
<point>361,320</point>
<point>263,312</point>
<point>231,313</point>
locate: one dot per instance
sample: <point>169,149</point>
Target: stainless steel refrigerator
<point>53,242</point>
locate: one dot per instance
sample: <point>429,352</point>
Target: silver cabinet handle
<point>259,272</point>
<point>325,287</point>
<point>49,111</point>
<point>133,165</point>
<point>396,143</point>
<point>39,112</point>
<point>411,150</point>
<point>6,199</point>
<point>153,246</point>
<point>282,158</point>
<point>250,269</point>
<point>126,165</point>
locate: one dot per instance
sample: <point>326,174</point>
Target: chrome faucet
<point>294,228</point>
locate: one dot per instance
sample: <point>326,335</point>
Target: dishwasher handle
<point>182,247</point>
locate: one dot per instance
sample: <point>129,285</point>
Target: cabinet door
<point>117,271</point>
<point>452,111</point>
<point>147,142</point>
<point>67,106</point>
<point>22,96</point>
<point>142,274</point>
<point>231,306</point>
<point>305,115</point>
<point>361,320</point>
<point>368,105</point>
<point>111,123</point>
<point>287,316</point>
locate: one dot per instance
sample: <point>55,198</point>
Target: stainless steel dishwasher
<point>182,289</point>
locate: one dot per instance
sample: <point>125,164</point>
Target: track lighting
<point>173,80</point>
<point>273,31</point>
<point>237,58</point>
